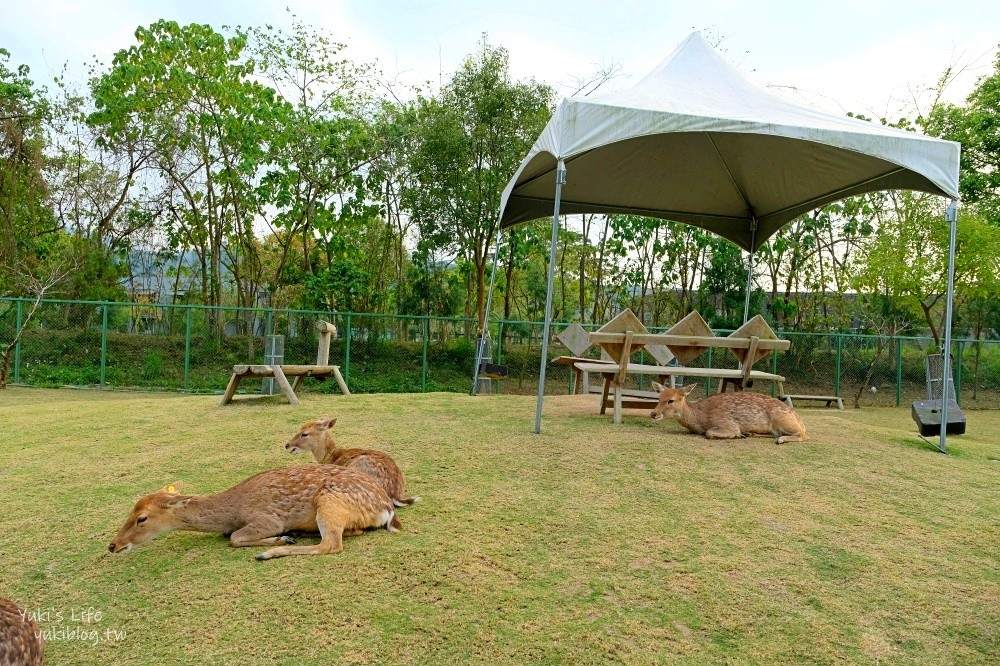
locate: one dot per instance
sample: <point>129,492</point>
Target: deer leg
<point>259,535</point>
<point>724,430</point>
<point>331,517</point>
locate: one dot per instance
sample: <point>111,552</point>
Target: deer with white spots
<point>21,641</point>
<point>316,438</point>
<point>730,415</point>
<point>262,511</point>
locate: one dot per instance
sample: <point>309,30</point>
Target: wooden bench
<point>321,370</point>
<point>581,380</point>
<point>829,399</point>
<point>687,340</point>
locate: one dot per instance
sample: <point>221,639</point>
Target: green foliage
<point>906,260</point>
<point>26,220</point>
<point>977,127</point>
<point>469,140</point>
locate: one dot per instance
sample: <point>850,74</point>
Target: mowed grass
<point>590,543</point>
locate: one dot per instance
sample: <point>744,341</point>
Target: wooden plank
<point>692,325</point>
<point>674,370</point>
<point>282,382</point>
<point>622,322</point>
<point>340,380</point>
<point>234,383</point>
<point>756,326</point>
<point>828,399</point>
<point>637,403</point>
<point>623,360</point>
<point>263,371</point>
<point>749,358</point>
<point>690,341</point>
<point>575,338</point>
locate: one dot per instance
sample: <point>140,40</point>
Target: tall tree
<point>471,138</point>
<point>320,178</point>
<point>907,258</point>
<point>26,220</point>
<point>190,92</point>
<point>977,126</point>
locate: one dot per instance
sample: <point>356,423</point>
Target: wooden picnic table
<point>748,349</point>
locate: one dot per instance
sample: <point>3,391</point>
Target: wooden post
<point>234,383</point>
<point>282,381</point>
<point>618,402</point>
<point>340,381</point>
<point>327,332</point>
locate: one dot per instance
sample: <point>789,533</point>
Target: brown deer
<point>730,415</point>
<point>21,641</point>
<point>316,438</point>
<point>261,511</point>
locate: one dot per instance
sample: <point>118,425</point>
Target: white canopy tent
<point>696,142</point>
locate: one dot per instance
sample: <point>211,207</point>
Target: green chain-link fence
<point>193,348</point>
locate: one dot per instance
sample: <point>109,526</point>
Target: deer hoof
<point>287,539</point>
<point>261,557</point>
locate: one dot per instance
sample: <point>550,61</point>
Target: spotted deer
<point>316,438</point>
<point>730,415</point>
<point>261,511</point>
<point>21,641</point>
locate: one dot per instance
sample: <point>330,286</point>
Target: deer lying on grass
<point>335,501</point>
<point>21,641</point>
<point>730,415</point>
<point>315,437</point>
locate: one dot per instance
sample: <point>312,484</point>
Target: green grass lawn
<point>590,543</point>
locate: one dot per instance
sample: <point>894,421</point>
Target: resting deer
<point>20,638</point>
<point>335,501</point>
<point>730,415</point>
<point>315,437</point>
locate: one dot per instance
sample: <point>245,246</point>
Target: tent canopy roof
<point>696,142</point>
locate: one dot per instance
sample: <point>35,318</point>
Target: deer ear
<point>330,423</point>
<point>176,503</point>
<point>690,387</point>
<point>658,387</point>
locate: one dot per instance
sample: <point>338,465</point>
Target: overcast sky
<point>864,56</point>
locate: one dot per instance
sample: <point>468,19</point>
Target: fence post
<point>899,371</point>
<point>836,375</point>
<point>17,347</point>
<point>957,373</point>
<point>187,348</point>
<point>499,343</point>
<point>347,351</point>
<point>774,371</point>
<point>708,382</point>
<point>642,378</point>
<point>104,341</point>
<point>423,367</point>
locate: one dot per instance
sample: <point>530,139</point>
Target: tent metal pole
<point>486,315</point>
<point>951,215</point>
<point>753,243</point>
<point>560,179</point>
